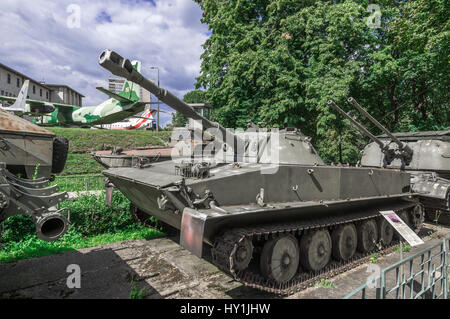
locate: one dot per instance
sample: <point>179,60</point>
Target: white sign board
<point>407,233</point>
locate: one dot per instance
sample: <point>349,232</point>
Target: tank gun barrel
<point>403,147</point>
<point>357,124</point>
<point>122,67</point>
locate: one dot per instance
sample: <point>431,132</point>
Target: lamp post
<point>157,115</point>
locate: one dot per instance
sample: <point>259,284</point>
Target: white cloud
<point>37,41</point>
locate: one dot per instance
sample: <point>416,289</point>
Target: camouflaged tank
<point>425,155</point>
<point>273,220</point>
<point>27,150</point>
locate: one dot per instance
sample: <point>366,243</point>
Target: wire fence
<point>424,275</point>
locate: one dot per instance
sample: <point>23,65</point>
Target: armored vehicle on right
<point>425,155</point>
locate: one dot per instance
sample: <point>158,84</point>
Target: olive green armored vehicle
<point>27,150</point>
<point>425,155</point>
<point>264,204</point>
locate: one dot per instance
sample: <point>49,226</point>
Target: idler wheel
<point>315,250</point>
<point>385,231</point>
<point>417,217</point>
<point>243,254</point>
<point>345,240</point>
<point>367,236</point>
<point>280,258</point>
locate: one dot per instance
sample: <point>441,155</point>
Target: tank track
<point>226,246</point>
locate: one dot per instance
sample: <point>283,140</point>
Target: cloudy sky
<point>48,41</point>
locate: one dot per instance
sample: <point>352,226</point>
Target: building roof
<point>47,86</point>
<point>22,75</point>
<point>63,85</point>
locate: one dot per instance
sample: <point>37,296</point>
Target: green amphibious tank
<point>425,155</point>
<point>263,206</point>
<point>29,155</point>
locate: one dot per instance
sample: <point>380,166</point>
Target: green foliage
<point>81,164</point>
<point>136,293</point>
<point>74,183</point>
<point>92,223</point>
<point>36,170</point>
<point>373,258</point>
<point>405,249</point>
<point>325,283</point>
<point>280,61</point>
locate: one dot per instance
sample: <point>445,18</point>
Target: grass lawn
<point>86,140</point>
<point>31,246</point>
<point>92,224</point>
<point>81,164</point>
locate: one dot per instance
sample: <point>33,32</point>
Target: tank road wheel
<point>280,258</point>
<point>417,218</point>
<point>367,236</point>
<point>315,250</point>
<point>385,231</point>
<point>344,239</point>
<point>243,254</point>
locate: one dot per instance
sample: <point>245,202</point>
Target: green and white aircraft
<point>117,108</point>
<point>24,106</point>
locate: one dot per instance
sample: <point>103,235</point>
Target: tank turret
<point>425,155</point>
<point>290,146</point>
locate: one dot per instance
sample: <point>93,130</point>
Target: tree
<point>280,61</point>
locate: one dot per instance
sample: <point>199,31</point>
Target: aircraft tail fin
<point>130,90</point>
<point>21,100</point>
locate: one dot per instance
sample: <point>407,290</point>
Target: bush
<point>93,223</point>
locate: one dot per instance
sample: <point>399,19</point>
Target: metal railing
<point>73,183</point>
<point>422,275</point>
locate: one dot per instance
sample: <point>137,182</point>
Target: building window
<point>9,78</point>
<point>18,82</point>
<point>40,92</point>
<point>46,95</point>
<point>34,89</point>
<point>3,92</point>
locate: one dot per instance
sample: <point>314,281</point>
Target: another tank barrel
<point>358,125</point>
<point>122,67</point>
<point>401,145</point>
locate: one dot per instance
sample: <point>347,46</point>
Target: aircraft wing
<point>39,107</point>
<point>147,118</point>
<point>64,106</point>
<point>7,98</point>
<point>114,95</point>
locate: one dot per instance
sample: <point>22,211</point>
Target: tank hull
<point>326,190</point>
